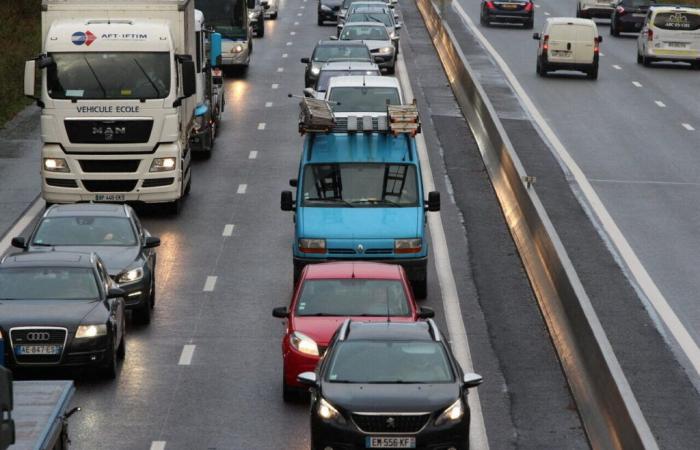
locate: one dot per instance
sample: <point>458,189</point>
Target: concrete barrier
<point>608,409</point>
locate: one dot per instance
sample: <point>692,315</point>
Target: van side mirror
<point>29,78</point>
<point>115,292</point>
<point>280,312</point>
<point>19,242</point>
<point>426,313</point>
<point>151,242</point>
<point>305,60</point>
<point>536,36</point>
<point>472,380</point>
<point>286,201</point>
<point>433,204</point>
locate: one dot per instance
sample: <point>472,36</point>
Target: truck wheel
<point>420,288</point>
<point>173,208</point>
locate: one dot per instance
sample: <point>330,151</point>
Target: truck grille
<point>38,336</point>
<point>370,423</point>
<point>352,251</point>
<point>105,166</point>
<point>110,185</point>
<point>108,131</point>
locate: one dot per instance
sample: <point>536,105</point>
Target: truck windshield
<point>230,30</point>
<point>363,98</point>
<point>360,185</point>
<point>109,76</point>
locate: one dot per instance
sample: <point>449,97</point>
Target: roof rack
<point>316,116</point>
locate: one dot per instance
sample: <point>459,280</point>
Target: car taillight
<point>490,5</point>
<point>545,42</point>
<point>620,10</point>
<point>650,34</point>
<point>596,45</point>
<point>528,7</point>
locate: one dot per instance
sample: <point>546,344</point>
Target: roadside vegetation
<point>20,34</point>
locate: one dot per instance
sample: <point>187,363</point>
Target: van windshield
<point>681,21</point>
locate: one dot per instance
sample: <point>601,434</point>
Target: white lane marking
<point>242,188</point>
<point>537,6</point>
<point>616,67</point>
<point>228,230</point>
<point>186,356</point>
<point>158,445</point>
<point>261,126</point>
<point>268,104</point>
<point>635,266</point>
<point>299,14</point>
<point>450,298</point>
<point>289,44</point>
<point>23,222</point>
<point>292,33</point>
<point>275,86</point>
<point>296,23</point>
<point>284,55</point>
<point>637,84</point>
<point>660,104</point>
<point>302,7</point>
<point>210,283</point>
<point>658,183</point>
<point>253,154</point>
<point>601,54</point>
<point>280,69</point>
<point>546,13</point>
<point>688,126</point>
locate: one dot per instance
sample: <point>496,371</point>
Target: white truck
<point>117,86</point>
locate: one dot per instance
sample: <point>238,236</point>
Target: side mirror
<point>536,36</point>
<point>293,182</point>
<point>29,78</point>
<point>433,201</point>
<point>305,60</point>
<point>397,26</point>
<point>19,242</point>
<point>281,312</point>
<point>115,292</point>
<point>309,93</point>
<point>341,26</point>
<point>426,313</point>
<point>189,81</point>
<point>151,242</point>
<point>307,379</point>
<point>333,38</point>
<point>472,380</point>
<point>286,201</point>
<point>215,50</point>
<point>378,59</point>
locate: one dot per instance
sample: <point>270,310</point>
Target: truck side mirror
<point>189,81</point>
<point>433,204</point>
<point>19,242</point>
<point>293,182</point>
<point>286,201</point>
<point>215,49</point>
<point>29,77</point>
<point>7,425</point>
<point>251,4</point>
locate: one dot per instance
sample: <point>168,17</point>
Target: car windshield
<point>378,17</point>
<point>364,33</point>
<point>48,283</point>
<point>353,297</point>
<point>360,185</point>
<point>85,230</point>
<point>325,76</point>
<point>680,21</point>
<point>389,362</point>
<point>325,53</point>
<point>100,75</point>
<point>363,98</point>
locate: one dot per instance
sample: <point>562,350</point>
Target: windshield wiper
<point>147,77</point>
<point>99,83</point>
<point>331,200</point>
<point>42,244</point>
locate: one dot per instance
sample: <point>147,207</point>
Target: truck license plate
<point>38,349</point>
<point>390,442</point>
<point>109,197</point>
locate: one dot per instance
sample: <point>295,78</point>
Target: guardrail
<point>608,409</point>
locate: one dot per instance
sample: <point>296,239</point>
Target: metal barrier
<point>608,409</point>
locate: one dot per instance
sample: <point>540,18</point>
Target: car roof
<point>394,331</point>
<point>364,81</point>
<point>353,269</point>
<point>371,148</point>
<point>570,21</point>
<point>349,65</point>
<point>337,43</point>
<point>87,209</point>
<point>48,259</point>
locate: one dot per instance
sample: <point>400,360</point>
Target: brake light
<point>545,42</point>
<point>528,7</point>
<point>650,34</point>
<point>620,10</point>
<point>596,45</point>
<point>490,5</point>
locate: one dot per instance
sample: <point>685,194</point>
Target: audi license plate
<point>390,442</point>
<point>38,349</point>
<point>109,197</point>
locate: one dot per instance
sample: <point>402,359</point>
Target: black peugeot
<point>114,232</point>
<point>628,16</point>
<point>60,309</point>
<point>508,11</point>
<point>389,385</point>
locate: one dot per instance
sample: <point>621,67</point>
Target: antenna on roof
<point>388,310</point>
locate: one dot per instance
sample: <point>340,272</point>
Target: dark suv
<point>510,11</point>
<point>389,385</point>
<point>628,16</point>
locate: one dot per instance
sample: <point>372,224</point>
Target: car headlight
<point>163,164</point>
<point>386,50</point>
<point>130,276</point>
<point>90,331</point>
<point>251,15</point>
<point>237,49</point>
<point>453,413</point>
<point>326,411</point>
<point>408,245</point>
<point>56,165</point>
<point>394,35</point>
<point>303,343</point>
<point>326,8</point>
<point>312,245</point>
<point>315,70</point>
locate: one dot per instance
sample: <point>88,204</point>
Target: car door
<point>584,43</point>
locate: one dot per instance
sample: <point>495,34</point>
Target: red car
<point>329,293</point>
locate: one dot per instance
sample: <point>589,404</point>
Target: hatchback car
<point>375,37</point>
<point>670,33</point>
<point>326,295</point>
<point>628,16</point>
<point>331,70</point>
<point>331,50</point>
<point>567,43</point>
<point>363,95</point>
<point>113,232</point>
<point>60,309</point>
<point>508,11</point>
<point>389,385</point>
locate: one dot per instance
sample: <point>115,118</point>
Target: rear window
<point>680,20</point>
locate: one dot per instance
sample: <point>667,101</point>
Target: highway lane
<point>206,373</point>
<point>626,131</point>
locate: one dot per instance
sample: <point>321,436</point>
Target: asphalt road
<point>206,373</point>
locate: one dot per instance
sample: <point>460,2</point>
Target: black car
<point>329,50</point>
<point>113,232</point>
<point>328,10</point>
<point>508,11</point>
<point>256,17</point>
<point>628,16</point>
<point>60,309</point>
<point>389,385</point>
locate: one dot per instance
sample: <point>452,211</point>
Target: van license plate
<point>676,44</point>
<point>109,197</point>
<point>560,53</point>
<point>38,349</point>
<point>390,442</point>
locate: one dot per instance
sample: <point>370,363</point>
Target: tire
<point>593,73</point>
<point>613,31</point>
<point>646,61</point>
<point>261,28</point>
<point>538,70</point>
<point>289,394</point>
<point>319,21</point>
<point>484,21</point>
<point>529,25</point>
<point>391,70</point>
<point>640,59</point>
<point>109,370</point>
<point>420,288</point>
<point>143,314</point>
<point>173,208</point>
<point>695,65</point>
<point>121,350</point>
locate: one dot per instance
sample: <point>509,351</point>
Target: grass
<point>20,38</point>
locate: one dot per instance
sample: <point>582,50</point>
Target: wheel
<point>261,28</point>
<point>530,24</point>
<point>646,61</point>
<point>109,370</point>
<point>143,314</point>
<point>640,59</point>
<point>319,21</point>
<point>173,208</point>
<point>593,73</point>
<point>121,350</point>
<point>484,21</point>
<point>695,65</point>
<point>152,299</point>
<point>538,71</point>
<point>420,288</point>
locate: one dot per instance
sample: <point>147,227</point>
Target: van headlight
<point>163,164</point>
<point>312,245</point>
<point>91,331</point>
<point>453,413</point>
<point>56,165</point>
<point>303,344</point>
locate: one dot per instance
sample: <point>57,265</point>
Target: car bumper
<point>90,353</point>
<point>509,16</point>
<point>415,267</point>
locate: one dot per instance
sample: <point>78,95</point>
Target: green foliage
<point>20,39</point>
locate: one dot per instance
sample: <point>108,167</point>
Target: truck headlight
<point>91,331</point>
<point>130,276</point>
<point>315,70</point>
<point>163,164</point>
<point>56,165</point>
<point>237,48</point>
<point>326,411</point>
<point>312,245</point>
<point>303,344</point>
<point>408,245</point>
<point>453,413</point>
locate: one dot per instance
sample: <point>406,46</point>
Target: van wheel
<point>614,31</point>
<point>593,73</point>
<point>639,58</point>
<point>541,71</point>
<point>646,61</point>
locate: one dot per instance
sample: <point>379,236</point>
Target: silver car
<point>341,68</point>
<point>376,38</point>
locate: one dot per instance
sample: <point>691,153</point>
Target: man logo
<point>80,38</point>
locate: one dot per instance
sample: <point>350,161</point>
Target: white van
<point>670,33</point>
<point>567,43</point>
<point>594,8</point>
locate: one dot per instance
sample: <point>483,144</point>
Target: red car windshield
<point>353,297</point>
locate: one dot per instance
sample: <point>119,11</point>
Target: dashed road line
<point>280,69</point>
<point>296,23</point>
<point>228,230</point>
<point>660,104</point>
<point>637,84</point>
<point>253,154</point>
<point>261,126</point>
<point>688,126</point>
<point>268,104</point>
<point>275,86</point>
<point>289,44</point>
<point>546,13</point>
<point>185,359</point>
<point>284,55</point>
<point>210,283</point>
<point>292,33</point>
<point>242,188</point>
<point>616,67</point>
<point>299,14</point>
<point>158,445</point>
